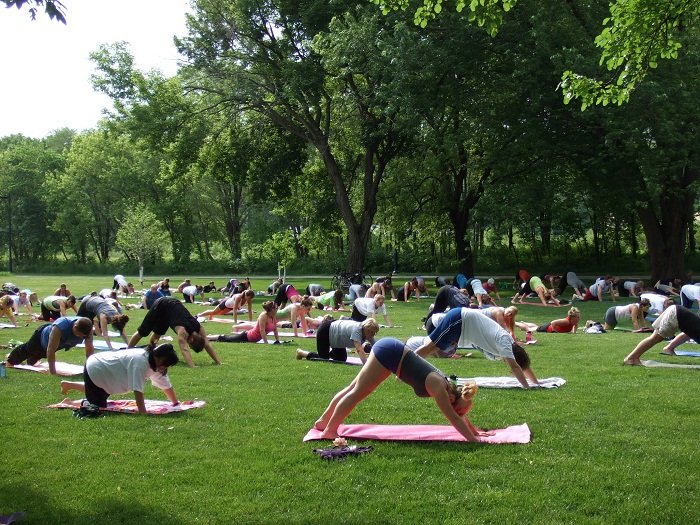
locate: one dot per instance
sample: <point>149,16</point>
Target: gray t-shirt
<point>342,334</point>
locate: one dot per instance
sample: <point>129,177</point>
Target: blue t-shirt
<point>68,338</point>
<point>152,297</point>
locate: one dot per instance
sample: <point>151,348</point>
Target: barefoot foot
<point>632,362</point>
<point>64,387</point>
<point>320,425</point>
<point>301,354</point>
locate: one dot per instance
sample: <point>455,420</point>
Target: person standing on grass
<point>64,333</point>
<point>169,312</point>
<point>365,307</point>
<point>54,306</point>
<point>126,371</point>
<point>463,326</point>
<point>102,313</point>
<point>233,304</point>
<point>333,338</point>
<point>391,356</point>
<point>673,319</point>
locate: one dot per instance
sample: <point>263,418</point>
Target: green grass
<point>614,445</point>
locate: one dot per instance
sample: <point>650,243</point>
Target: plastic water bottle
<point>528,337</point>
<point>3,369</point>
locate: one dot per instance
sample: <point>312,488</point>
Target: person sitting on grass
<point>63,290</point>
<point>568,325</point>
<point>169,312</point>
<point>266,323</point>
<point>464,326</point>
<point>233,304</point>
<point>65,333</point>
<point>125,371</point>
<point>635,311</point>
<point>391,356</point>
<point>673,319</point>
<point>333,338</point>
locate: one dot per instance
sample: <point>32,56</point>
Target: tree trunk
<point>666,237</point>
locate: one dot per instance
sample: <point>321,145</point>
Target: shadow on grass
<point>88,510</point>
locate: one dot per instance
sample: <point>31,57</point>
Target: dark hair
<point>84,325</point>
<point>338,297</point>
<point>521,356</point>
<point>248,293</point>
<point>119,321</point>
<point>196,341</point>
<point>71,299</point>
<point>165,352</point>
<point>268,306</point>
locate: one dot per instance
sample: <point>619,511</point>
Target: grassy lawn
<point>616,444</point>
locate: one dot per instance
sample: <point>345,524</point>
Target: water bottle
<point>3,369</point>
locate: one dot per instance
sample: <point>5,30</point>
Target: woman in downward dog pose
<point>390,356</point>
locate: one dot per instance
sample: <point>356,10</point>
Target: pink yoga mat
<point>62,369</point>
<point>353,361</point>
<point>512,434</point>
<point>128,406</point>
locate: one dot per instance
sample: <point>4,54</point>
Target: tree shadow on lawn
<point>20,498</point>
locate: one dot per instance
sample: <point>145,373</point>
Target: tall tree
<point>330,81</point>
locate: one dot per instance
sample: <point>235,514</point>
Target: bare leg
<point>526,327</point>
<point>67,386</point>
<point>643,346</point>
<point>369,378</point>
<point>669,349</point>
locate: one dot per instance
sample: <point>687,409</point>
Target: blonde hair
<point>574,311</point>
<point>370,324</point>
<point>467,391</point>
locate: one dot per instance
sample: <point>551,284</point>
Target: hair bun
<point>469,390</point>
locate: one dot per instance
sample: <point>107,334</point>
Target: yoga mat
<point>291,334</point>
<point>7,325</point>
<point>684,353</point>
<point>128,406</point>
<point>509,382</point>
<point>637,331</point>
<point>539,303</point>
<point>99,344</point>
<point>352,361</point>
<point>62,369</point>
<point>657,364</point>
<point>512,434</point>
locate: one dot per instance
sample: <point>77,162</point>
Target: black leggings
<point>241,337</point>
<point>323,345</point>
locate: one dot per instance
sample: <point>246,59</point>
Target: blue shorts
<point>388,352</point>
<point>449,330</point>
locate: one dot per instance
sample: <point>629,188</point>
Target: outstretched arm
<point>442,400</point>
<point>184,347</point>
<point>517,371</point>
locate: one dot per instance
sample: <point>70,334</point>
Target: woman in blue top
<point>390,356</point>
